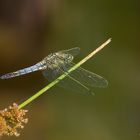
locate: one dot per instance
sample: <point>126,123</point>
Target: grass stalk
<point>32,98</point>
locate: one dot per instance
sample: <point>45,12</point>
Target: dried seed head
<point>11,120</point>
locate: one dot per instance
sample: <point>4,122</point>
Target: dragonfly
<point>58,63</point>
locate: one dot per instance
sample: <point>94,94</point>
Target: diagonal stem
<point>32,98</point>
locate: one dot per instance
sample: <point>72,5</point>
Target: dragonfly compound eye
<point>69,58</point>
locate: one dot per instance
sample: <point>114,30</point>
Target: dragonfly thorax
<point>57,60</point>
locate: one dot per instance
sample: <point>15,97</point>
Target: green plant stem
<point>63,76</point>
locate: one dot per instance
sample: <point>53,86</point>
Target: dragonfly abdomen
<point>22,71</point>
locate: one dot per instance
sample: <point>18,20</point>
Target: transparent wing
<point>68,82</point>
<point>74,51</point>
<point>84,76</point>
<point>88,78</point>
<point>75,86</point>
<point>79,80</point>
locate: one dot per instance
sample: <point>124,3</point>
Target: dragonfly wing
<point>85,77</point>
<point>67,82</point>
<point>74,51</point>
<point>74,86</point>
<point>88,78</point>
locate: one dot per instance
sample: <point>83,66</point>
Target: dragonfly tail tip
<point>3,77</point>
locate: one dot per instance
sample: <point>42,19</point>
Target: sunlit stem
<point>64,75</point>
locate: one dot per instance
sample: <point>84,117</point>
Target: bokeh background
<point>31,29</point>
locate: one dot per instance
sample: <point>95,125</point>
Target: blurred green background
<point>31,29</point>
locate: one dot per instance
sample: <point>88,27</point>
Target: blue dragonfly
<point>55,64</point>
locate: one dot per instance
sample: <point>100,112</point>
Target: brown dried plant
<point>11,120</point>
